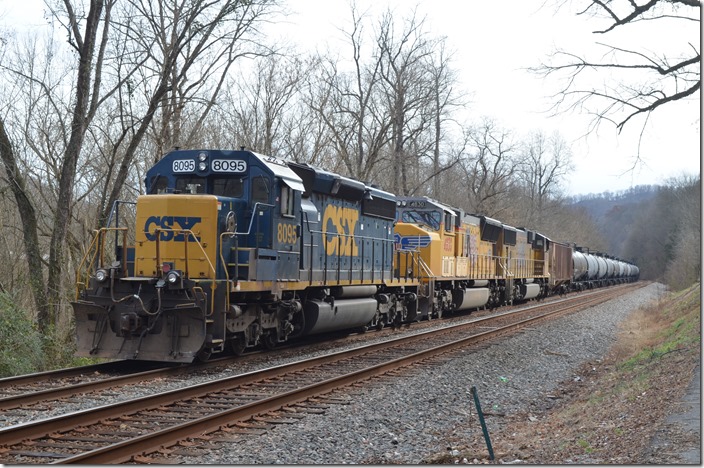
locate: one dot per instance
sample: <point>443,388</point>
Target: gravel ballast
<point>414,417</point>
<point>427,412</point>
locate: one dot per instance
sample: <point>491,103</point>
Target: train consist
<point>230,250</point>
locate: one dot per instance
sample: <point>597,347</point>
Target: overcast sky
<point>494,41</point>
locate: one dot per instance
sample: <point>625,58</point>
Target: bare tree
<point>409,92</point>
<point>445,99</point>
<point>636,80</point>
<point>349,104</point>
<point>489,169</point>
<point>25,207</point>
<point>545,162</point>
<point>261,102</point>
<point>184,42</point>
<point>124,64</point>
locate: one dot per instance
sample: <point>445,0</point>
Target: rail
<point>226,401</point>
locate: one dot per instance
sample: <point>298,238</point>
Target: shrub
<point>20,342</point>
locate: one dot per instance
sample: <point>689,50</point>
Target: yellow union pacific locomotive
<point>229,250</point>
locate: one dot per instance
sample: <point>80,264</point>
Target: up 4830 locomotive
<point>232,249</point>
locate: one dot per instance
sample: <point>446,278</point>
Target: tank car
<point>234,249</point>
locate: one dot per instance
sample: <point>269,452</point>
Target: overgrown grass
<point>20,342</point>
<point>23,350</point>
<point>670,326</point>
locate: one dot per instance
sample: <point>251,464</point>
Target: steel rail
<point>60,373</point>
<point>14,401</point>
<point>123,451</point>
<point>38,429</point>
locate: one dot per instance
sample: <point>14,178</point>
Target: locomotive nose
<point>130,322</point>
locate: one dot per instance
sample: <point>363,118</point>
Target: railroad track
<point>125,431</point>
<point>43,387</point>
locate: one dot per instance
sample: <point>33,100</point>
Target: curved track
<point>123,431</point>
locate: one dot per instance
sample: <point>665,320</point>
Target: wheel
<point>204,354</point>
<point>237,345</point>
<point>269,341</point>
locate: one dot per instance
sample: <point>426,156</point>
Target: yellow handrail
<point>188,233</point>
<point>96,246</point>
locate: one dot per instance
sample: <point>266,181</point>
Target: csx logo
<point>344,221</point>
<point>169,222</point>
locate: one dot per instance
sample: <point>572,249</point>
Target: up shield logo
<point>411,242</point>
<point>172,224</point>
<point>339,224</point>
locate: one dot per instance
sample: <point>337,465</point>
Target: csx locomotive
<point>230,250</point>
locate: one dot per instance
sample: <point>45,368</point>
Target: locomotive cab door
<point>287,232</point>
<point>261,212</point>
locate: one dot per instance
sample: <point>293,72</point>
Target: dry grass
<point>641,330</point>
<point>611,415</point>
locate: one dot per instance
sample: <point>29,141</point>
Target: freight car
<point>230,250</point>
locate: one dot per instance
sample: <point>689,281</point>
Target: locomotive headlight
<point>101,275</point>
<point>173,277</point>
<point>202,162</point>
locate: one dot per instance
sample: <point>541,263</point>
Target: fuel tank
<point>464,299</point>
<point>530,291</point>
<point>341,314</point>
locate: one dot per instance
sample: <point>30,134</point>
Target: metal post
<point>481,420</point>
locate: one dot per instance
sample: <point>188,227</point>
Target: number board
<point>226,165</point>
<point>184,165</point>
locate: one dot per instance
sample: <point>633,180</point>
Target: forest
<point>86,109</point>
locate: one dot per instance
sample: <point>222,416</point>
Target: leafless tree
<point>261,102</point>
<point>184,44</point>
<point>489,169</point>
<point>349,103</point>
<point>128,64</point>
<point>445,99</point>
<point>637,80</point>
<point>545,162</point>
<point>409,92</point>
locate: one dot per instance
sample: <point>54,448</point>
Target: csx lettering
<point>169,222</point>
<point>344,221</point>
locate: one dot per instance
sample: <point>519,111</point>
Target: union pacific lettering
<point>344,221</point>
<point>169,222</point>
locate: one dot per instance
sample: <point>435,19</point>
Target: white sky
<point>493,41</point>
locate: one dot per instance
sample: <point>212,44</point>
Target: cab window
<point>428,218</point>
<point>287,196</point>
<point>228,186</point>
<point>260,190</point>
<point>159,185</point>
<point>190,185</point>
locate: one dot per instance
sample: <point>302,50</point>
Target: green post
<point>481,420</point>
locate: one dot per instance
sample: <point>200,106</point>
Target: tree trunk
<point>29,222</point>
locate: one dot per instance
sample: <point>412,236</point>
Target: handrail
<point>188,233</point>
<point>251,220</point>
<point>224,267</point>
<point>97,246</point>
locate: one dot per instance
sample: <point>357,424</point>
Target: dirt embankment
<point>615,410</point>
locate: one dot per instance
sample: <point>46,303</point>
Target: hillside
<point>614,212</point>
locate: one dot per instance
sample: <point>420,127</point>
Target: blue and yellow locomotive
<point>233,249</point>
